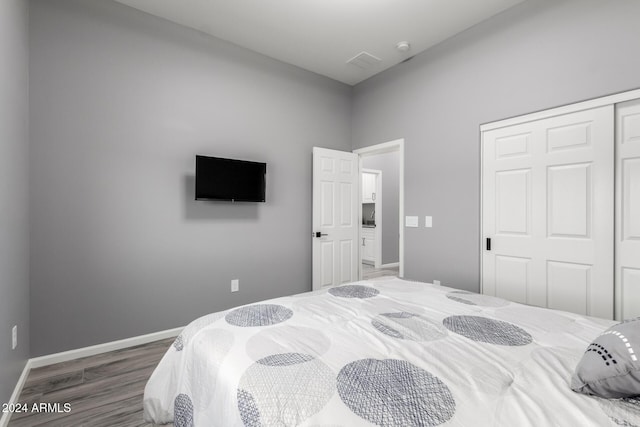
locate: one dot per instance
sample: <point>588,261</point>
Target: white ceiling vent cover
<point>364,60</point>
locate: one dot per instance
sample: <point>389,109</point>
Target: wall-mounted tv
<point>230,179</point>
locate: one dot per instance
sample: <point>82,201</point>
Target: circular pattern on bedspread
<point>258,315</point>
<point>284,389</point>
<point>623,412</point>
<point>538,318</point>
<point>354,291</point>
<point>476,299</point>
<point>178,344</point>
<point>285,359</point>
<point>487,330</point>
<point>408,326</point>
<point>287,339</point>
<point>182,411</point>
<point>394,392</point>
<point>204,372</point>
<point>194,327</point>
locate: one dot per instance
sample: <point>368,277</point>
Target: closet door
<point>548,197</point>
<point>628,210</point>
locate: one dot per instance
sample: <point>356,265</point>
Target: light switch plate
<point>411,221</point>
<point>235,285</point>
<point>428,221</point>
<point>14,337</point>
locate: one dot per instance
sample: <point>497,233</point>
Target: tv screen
<point>230,179</point>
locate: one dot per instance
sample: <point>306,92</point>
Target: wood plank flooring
<point>103,390</point>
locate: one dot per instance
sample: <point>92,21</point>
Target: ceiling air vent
<point>364,60</point>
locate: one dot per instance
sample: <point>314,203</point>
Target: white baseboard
<point>391,265</point>
<point>4,421</point>
<point>50,359</point>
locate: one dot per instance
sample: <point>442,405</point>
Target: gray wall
<point>388,163</point>
<point>121,103</point>
<point>14,215</point>
<point>537,55</point>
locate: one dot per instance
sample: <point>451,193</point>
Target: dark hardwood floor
<point>102,390</point>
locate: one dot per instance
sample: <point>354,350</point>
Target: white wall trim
<point>386,147</point>
<point>4,421</point>
<point>565,109</point>
<point>391,265</point>
<point>38,362</point>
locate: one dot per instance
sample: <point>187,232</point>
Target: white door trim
<point>565,109</point>
<point>387,147</point>
<point>377,263</point>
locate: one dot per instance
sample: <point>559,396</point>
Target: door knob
<point>319,234</point>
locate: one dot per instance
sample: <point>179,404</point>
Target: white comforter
<point>384,352</point>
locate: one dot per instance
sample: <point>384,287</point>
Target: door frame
<point>385,147</point>
<point>377,263</point>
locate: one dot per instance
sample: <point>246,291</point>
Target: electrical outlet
<point>235,285</point>
<point>436,282</point>
<point>14,337</point>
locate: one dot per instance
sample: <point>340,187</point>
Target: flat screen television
<point>230,179</point>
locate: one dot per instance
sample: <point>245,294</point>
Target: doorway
<point>385,237</point>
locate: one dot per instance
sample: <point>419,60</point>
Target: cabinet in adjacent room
<point>368,187</point>
<point>368,242</point>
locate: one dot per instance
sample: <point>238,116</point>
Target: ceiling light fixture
<point>403,46</point>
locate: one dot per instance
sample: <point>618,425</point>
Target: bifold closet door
<point>547,206</point>
<point>628,210</point>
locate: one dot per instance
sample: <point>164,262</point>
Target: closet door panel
<point>631,198</point>
<point>548,195</point>
<point>569,203</point>
<point>628,210</point>
<point>569,286</point>
<point>630,292</point>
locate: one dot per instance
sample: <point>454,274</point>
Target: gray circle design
<point>394,392</point>
<point>178,344</point>
<point>182,411</point>
<point>487,330</point>
<point>354,291</point>
<point>193,328</point>
<point>285,359</point>
<point>249,411</point>
<point>284,389</point>
<point>623,412</point>
<point>287,339</point>
<point>470,298</point>
<point>258,315</point>
<point>409,326</point>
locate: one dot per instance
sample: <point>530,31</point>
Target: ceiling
<point>322,35</point>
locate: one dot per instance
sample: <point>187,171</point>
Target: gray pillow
<point>610,367</point>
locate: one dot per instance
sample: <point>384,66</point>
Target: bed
<point>385,352</point>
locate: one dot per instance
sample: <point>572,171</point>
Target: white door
<point>628,210</point>
<point>548,198</point>
<point>335,217</point>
